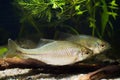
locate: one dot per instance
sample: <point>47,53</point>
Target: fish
<point>53,53</point>
<point>93,43</point>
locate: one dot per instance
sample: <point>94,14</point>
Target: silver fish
<point>53,53</point>
<point>95,44</point>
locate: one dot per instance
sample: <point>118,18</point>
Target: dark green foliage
<point>53,13</point>
<point>104,10</point>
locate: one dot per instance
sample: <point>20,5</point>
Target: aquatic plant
<point>40,13</point>
<point>2,51</point>
<point>105,12</point>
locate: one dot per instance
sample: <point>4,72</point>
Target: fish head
<point>84,53</point>
<point>95,44</point>
<point>99,46</point>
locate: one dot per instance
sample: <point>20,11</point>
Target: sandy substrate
<point>28,74</point>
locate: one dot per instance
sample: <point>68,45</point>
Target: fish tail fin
<point>12,48</point>
<point>12,44</point>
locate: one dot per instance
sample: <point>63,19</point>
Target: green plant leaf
<point>113,14</point>
<point>77,8</point>
<point>113,3</point>
<point>2,51</point>
<point>104,17</point>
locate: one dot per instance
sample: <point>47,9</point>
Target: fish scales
<point>95,44</point>
<point>54,53</point>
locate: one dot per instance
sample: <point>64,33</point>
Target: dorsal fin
<point>66,36</point>
<point>44,41</point>
<point>71,37</point>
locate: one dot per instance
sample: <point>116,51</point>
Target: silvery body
<point>95,44</point>
<point>53,53</point>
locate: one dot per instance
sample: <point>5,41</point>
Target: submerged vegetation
<point>70,14</point>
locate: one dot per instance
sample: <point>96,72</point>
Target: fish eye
<point>87,52</point>
<point>102,45</point>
